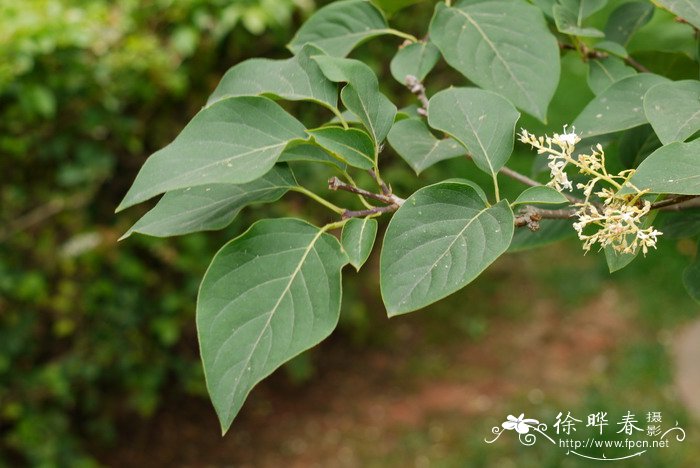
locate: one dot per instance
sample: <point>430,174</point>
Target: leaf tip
<point>125,235</point>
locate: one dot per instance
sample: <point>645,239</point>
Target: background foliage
<point>91,331</point>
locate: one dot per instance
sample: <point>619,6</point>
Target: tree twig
<point>589,53</point>
<point>390,199</point>
<point>374,211</point>
<point>677,203</point>
<point>531,216</point>
<point>385,188</point>
<point>416,87</point>
<point>638,66</point>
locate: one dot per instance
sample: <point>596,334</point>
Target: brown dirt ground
<point>368,401</point>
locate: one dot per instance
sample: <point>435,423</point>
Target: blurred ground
<point>430,395</point>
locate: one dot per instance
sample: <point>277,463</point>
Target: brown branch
<point>638,66</point>
<point>416,87</point>
<point>531,216</point>
<point>589,53</point>
<point>376,210</point>
<point>678,203</point>
<point>390,199</point>
<point>385,189</point>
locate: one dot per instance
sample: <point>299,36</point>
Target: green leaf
<point>636,144</point>
<point>268,295</point>
<point>673,109</point>
<point>361,95</point>
<point>617,108</point>
<point>414,142</point>
<point>546,6</point>
<point>210,207</point>
<point>502,46</point>
<point>612,48</point>
<point>235,141</point>
<point>540,195</point>
<point>689,10</point>
<point>569,16</point>
<point>392,6</point>
<point>482,121</point>
<point>357,239</point>
<point>442,238</point>
<point>673,168</point>
<point>296,79</point>
<point>679,224</point>
<point>550,231</point>
<point>626,19</point>
<point>340,27</point>
<point>673,65</point>
<point>308,152</point>
<point>602,73</point>
<point>352,146</point>
<point>415,59</point>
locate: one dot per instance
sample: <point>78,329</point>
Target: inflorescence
<point>614,219</point>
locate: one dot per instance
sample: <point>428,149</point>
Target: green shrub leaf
<point>310,152</point>
<point>626,19</point>
<point>268,295</point>
<point>211,207</point>
<point>482,121</point>
<point>414,142</point>
<point>340,27</point>
<point>415,59</point>
<point>351,145</point>
<point>569,16</point>
<point>502,46</point>
<point>357,239</point>
<point>296,79</point>
<point>673,168</point>
<point>540,195</point>
<point>617,108</point>
<point>689,10</point>
<point>602,73</point>
<point>361,95</point>
<point>442,238</point>
<point>550,231</point>
<point>673,109</point>
<point>236,140</point>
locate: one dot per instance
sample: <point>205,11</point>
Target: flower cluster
<point>613,220</point>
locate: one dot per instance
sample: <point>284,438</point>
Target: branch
<point>638,66</point>
<point>416,87</point>
<point>588,53</point>
<point>677,203</point>
<point>523,179</point>
<point>374,211</point>
<point>531,216</point>
<point>385,189</point>
<point>390,199</point>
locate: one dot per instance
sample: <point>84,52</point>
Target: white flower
<point>521,425</point>
<point>567,138</point>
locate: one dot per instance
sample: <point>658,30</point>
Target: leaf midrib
<point>449,247</point>
<point>271,314</point>
<point>498,55</point>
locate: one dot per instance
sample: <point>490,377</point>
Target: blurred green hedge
<point>91,332</point>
